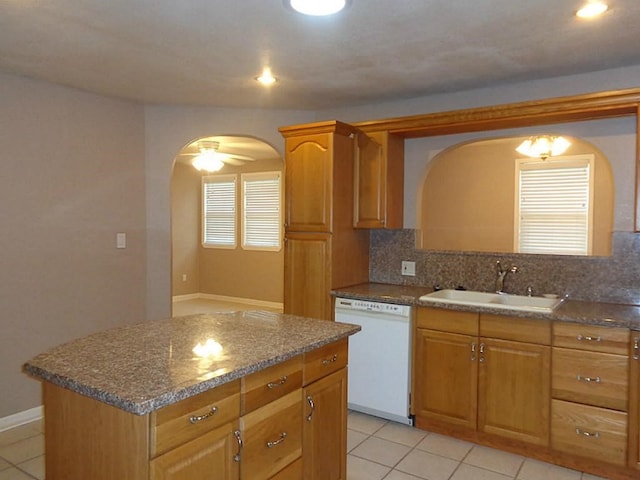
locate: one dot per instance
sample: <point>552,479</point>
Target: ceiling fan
<point>210,158</point>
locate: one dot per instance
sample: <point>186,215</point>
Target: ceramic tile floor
<point>22,452</point>
<point>380,449</point>
<point>201,305</point>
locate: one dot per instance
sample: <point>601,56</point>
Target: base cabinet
<point>212,452</point>
<point>324,428</point>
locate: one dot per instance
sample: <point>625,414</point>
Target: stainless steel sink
<point>493,300</point>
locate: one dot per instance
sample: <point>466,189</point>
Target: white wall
<point>71,176</point>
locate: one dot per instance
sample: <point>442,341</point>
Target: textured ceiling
<point>206,52</point>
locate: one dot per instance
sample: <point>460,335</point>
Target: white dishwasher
<point>379,357</point>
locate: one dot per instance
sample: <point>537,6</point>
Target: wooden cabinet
<point>379,180</point>
<point>322,249</point>
<point>634,401</point>
<point>590,390</point>
<point>325,414</point>
<point>486,374</point>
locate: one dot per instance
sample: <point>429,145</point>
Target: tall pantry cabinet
<point>323,251</point>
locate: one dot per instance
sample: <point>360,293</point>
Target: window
<point>261,225</point>
<point>219,211</point>
<point>554,205</point>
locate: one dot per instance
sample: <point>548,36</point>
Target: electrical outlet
<point>409,268</point>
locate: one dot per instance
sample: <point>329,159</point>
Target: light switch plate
<point>409,268</point>
<point>121,240</point>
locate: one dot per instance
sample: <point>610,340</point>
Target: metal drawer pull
<point>588,338</point>
<point>587,434</point>
<point>636,348</point>
<point>279,383</point>
<point>473,351</point>
<point>273,443</point>
<point>199,418</point>
<point>313,408</point>
<point>327,361</point>
<point>236,457</point>
<point>589,379</point>
<point>481,352</point>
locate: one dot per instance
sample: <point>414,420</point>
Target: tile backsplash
<point>614,279</point>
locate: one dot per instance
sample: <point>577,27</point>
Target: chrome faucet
<point>501,273</point>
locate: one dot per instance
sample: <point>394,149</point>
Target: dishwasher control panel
<point>369,306</point>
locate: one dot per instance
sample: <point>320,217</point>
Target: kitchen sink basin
<point>493,300</point>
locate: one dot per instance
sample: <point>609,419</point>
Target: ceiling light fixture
<point>317,8</point>
<point>592,9</point>
<point>267,77</point>
<point>543,146</point>
<point>209,160</point>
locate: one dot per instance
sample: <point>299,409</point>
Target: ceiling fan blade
<point>233,161</point>
<point>238,157</point>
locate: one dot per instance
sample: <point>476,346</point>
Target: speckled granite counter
<point>143,367</point>
<point>594,313</point>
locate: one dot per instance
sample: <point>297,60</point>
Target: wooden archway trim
<point>591,106</point>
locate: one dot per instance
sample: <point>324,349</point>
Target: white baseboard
<point>21,418</point>
<point>224,298</point>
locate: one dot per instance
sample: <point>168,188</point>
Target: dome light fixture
<point>592,9</point>
<point>209,160</point>
<point>543,146</point>
<point>317,8</point>
<point>266,78</point>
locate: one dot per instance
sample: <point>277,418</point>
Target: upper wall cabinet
<point>379,180</point>
<point>315,171</point>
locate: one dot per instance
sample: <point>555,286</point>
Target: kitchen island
<point>241,394</point>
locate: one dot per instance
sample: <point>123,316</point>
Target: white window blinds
<point>219,211</point>
<point>261,229</point>
<point>554,204</point>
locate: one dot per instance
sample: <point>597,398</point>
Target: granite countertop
<point>143,367</point>
<point>592,313</point>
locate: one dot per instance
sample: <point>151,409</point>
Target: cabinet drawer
<point>591,337</point>
<point>600,379</point>
<point>269,384</point>
<point>192,417</point>
<point>272,437</point>
<point>291,472</point>
<point>453,321</point>
<point>515,328</point>
<point>325,360</point>
<point>587,431</point>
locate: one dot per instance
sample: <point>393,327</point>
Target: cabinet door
<point>307,275</point>
<point>634,401</point>
<point>324,436</point>
<point>514,390</point>
<point>379,180</point>
<point>446,377</point>
<point>308,175</point>
<point>212,452</point>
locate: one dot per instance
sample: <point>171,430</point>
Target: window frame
<point>211,179</point>
<point>559,162</point>
<point>260,176</point>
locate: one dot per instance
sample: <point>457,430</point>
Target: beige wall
<point>468,197</point>
<point>185,227</point>
<point>72,176</point>
<point>239,273</point>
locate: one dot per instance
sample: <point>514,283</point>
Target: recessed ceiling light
<point>267,77</point>
<point>317,7</point>
<point>592,9</point>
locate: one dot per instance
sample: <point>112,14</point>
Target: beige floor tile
<point>4,464</point>
<point>34,467</point>
<point>445,446</point>
<point>494,460</point>
<point>364,423</point>
<point>396,475</point>
<point>381,451</point>
<point>14,474</point>
<point>469,472</point>
<point>23,450</point>
<point>354,439</point>
<point>20,433</point>
<point>427,465</point>
<point>536,470</point>
<point>361,469</point>
<point>201,305</point>
<point>403,434</point>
